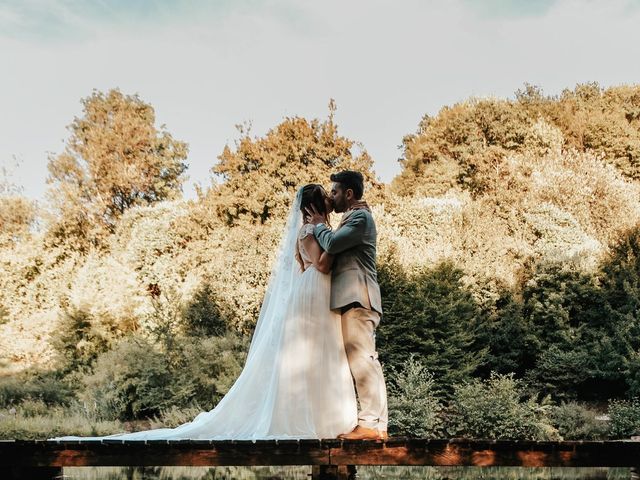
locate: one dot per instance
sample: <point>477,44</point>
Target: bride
<point>296,382</point>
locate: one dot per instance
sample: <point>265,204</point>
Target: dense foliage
<point>463,144</point>
<point>261,174</point>
<point>115,159</point>
<point>430,314</point>
<point>508,254</point>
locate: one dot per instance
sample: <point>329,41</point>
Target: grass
<point>35,420</point>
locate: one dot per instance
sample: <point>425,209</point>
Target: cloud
<point>510,8</point>
<point>207,66</point>
<point>74,20</point>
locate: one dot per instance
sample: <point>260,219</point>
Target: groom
<point>356,294</point>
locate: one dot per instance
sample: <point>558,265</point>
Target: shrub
<point>507,334</point>
<point>40,386</point>
<point>420,231</point>
<point>584,188</point>
<point>162,324</point>
<point>235,263</point>
<point>33,408</point>
<point>576,422</point>
<point>431,314</point>
<point>559,372</point>
<point>414,406</point>
<point>173,416</point>
<point>203,314</point>
<point>140,379</point>
<point>620,279</point>
<point>583,350</point>
<point>130,381</point>
<point>206,369</point>
<point>77,341</point>
<point>625,418</point>
<point>496,409</point>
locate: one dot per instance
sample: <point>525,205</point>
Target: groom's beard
<point>339,208</point>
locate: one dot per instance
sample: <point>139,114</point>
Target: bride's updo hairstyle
<point>313,194</point>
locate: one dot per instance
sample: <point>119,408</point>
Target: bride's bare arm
<point>320,259</point>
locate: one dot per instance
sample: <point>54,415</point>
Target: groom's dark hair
<point>350,180</point>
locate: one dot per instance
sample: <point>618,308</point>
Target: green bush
<point>173,417</point>
<point>77,342</point>
<point>431,314</point>
<point>139,379</point>
<point>620,279</point>
<point>415,408</point>
<point>130,381</point>
<point>43,386</point>
<point>559,372</point>
<point>624,418</point>
<point>507,334</point>
<point>495,408</point>
<point>203,315</point>
<point>33,408</point>
<point>574,421</point>
<point>206,369</point>
<point>583,349</point>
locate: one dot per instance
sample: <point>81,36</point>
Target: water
<point>364,473</point>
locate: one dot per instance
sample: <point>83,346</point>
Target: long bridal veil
<point>246,411</point>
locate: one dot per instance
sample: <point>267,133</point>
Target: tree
<point>203,315</point>
<point>17,213</point>
<point>429,313</point>
<point>262,174</point>
<point>583,350</point>
<point>459,145</point>
<point>620,280</point>
<point>507,334</point>
<point>464,143</point>
<point>115,158</point>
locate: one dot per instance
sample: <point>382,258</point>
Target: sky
<point>207,66</point>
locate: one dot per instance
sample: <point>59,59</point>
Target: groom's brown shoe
<point>364,433</point>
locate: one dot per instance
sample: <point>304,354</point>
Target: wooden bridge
<point>328,459</point>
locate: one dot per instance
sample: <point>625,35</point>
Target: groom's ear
<point>348,194</point>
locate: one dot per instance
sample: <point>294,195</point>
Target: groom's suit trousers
<point>358,331</point>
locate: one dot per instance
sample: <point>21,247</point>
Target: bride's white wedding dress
<point>296,382</point>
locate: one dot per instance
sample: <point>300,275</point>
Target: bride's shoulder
<point>305,230</point>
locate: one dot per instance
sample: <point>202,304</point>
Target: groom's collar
<point>359,205</point>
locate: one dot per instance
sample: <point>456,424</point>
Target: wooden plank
<point>481,453</point>
<point>163,453</point>
<point>395,451</point>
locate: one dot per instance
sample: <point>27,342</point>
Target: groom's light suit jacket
<point>354,277</point>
